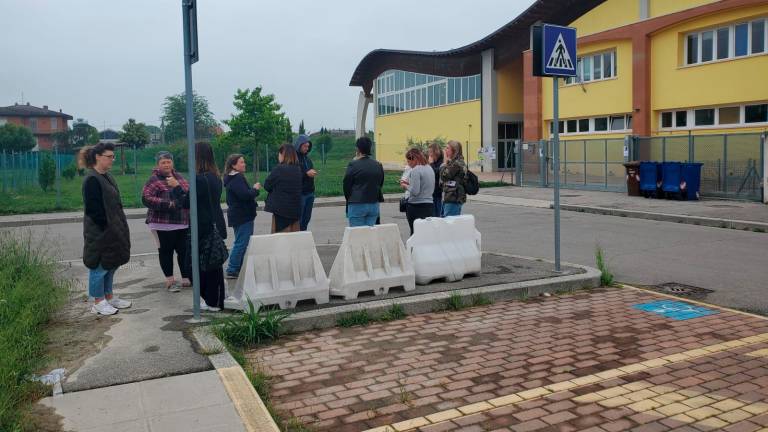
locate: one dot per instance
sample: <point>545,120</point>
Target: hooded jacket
<point>307,182</point>
<point>241,199</point>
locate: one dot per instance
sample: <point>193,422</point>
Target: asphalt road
<point>731,263</point>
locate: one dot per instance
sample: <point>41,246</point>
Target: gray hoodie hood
<point>299,141</point>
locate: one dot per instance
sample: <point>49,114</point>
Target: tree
<point>302,131</point>
<point>134,134</point>
<point>16,138</point>
<point>174,117</point>
<point>151,129</point>
<point>82,134</point>
<point>258,121</point>
<point>46,174</point>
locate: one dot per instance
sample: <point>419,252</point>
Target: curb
<point>247,402</point>
<point>666,217</point>
<point>426,303</point>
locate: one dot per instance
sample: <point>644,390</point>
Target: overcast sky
<point>109,60</point>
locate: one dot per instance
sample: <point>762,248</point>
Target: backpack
<point>471,183</point>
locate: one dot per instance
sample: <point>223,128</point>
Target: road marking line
<point>539,392</point>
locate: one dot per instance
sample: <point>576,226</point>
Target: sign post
<point>189,15</point>
<point>554,55</point>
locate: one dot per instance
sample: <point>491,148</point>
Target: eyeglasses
<point>110,156</point>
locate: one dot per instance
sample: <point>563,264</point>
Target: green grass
<point>356,318</point>
<point>29,294</point>
<point>480,299</point>
<point>606,277</point>
<point>454,302</point>
<point>393,313</point>
<point>252,327</point>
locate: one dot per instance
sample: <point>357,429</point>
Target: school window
<point>739,115</point>
<point>601,124</point>
<point>729,115</point>
<point>726,42</point>
<point>594,67</point>
<point>704,117</point>
<point>756,113</point>
<point>614,124</point>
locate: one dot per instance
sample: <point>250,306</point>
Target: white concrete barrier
<point>445,248</point>
<point>281,269</point>
<point>371,259</point>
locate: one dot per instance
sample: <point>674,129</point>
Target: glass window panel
<point>584,125</point>
<point>409,101</point>
<point>707,46</point>
<point>758,36</point>
<point>502,130</point>
<point>704,117</point>
<point>601,124</point>
<point>423,97</point>
<point>561,129</point>
<point>579,67</point>
<point>479,86</point>
<point>472,94</point>
<point>742,39</point>
<point>693,49</point>
<point>756,113</point>
<point>451,91</point>
<point>629,121</point>
<point>420,79</point>
<point>511,133</point>
<point>666,120</point>
<point>681,118</point>
<point>431,96</point>
<point>410,79</point>
<point>617,123</point>
<point>587,62</point>
<point>390,104</point>
<point>597,69</point>
<point>442,93</point>
<point>464,89</point>
<point>730,115</point>
<point>572,126</point>
<point>607,69</point>
<point>723,42</point>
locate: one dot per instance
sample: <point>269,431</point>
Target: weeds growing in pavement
<point>252,327</point>
<point>394,312</point>
<point>356,318</point>
<point>406,398</point>
<point>606,277</point>
<point>454,302</point>
<point>30,292</point>
<point>479,299</point>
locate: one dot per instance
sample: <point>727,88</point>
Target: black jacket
<point>241,199</point>
<point>438,193</point>
<point>363,181</point>
<point>284,187</point>
<point>106,237</point>
<point>307,182</point>
<point>208,205</point>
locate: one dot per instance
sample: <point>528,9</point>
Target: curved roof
<point>509,41</point>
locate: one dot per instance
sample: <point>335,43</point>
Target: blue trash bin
<point>672,179</point>
<point>650,179</point>
<point>691,180</point>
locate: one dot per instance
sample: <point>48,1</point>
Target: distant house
<point>109,136</point>
<point>43,123</point>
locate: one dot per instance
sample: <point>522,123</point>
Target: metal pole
<point>135,183</point>
<point>556,168</point>
<point>4,170</point>
<point>191,165</point>
<point>58,177</point>
<point>725,164</point>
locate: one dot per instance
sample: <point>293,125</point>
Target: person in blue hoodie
<point>303,146</point>
<point>241,210</point>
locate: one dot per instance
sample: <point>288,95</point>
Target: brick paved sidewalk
<point>587,362</point>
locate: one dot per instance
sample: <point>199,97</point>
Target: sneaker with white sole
<point>174,287</point>
<point>103,308</point>
<point>119,303</point>
<point>204,306</point>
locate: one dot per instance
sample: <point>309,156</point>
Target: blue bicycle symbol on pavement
<point>675,310</point>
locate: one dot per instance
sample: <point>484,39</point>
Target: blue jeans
<point>100,282</point>
<point>362,214</point>
<point>438,202</point>
<point>243,233</point>
<point>451,209</point>
<point>307,201</point>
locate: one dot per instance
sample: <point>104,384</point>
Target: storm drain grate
<point>683,290</point>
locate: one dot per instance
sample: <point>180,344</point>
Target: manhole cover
<point>683,290</point>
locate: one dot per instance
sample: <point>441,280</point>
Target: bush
<point>29,294</point>
<point>253,327</point>
<point>606,277</point>
<point>69,172</point>
<point>46,175</point>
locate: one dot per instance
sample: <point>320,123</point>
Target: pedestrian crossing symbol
<point>560,59</point>
<point>559,49</point>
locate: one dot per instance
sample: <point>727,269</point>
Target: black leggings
<point>418,211</point>
<point>173,241</point>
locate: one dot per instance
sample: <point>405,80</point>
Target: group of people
<point>434,185</point>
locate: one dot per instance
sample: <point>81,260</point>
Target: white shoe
<point>103,308</point>
<point>205,307</point>
<point>119,303</point>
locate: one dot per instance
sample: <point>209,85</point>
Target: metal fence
<point>732,164</point>
<point>20,170</point>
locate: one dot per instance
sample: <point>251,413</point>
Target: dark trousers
<point>170,242</point>
<point>417,211</point>
<point>438,206</point>
<point>212,287</point>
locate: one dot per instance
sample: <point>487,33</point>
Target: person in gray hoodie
<point>420,186</point>
<point>303,146</point>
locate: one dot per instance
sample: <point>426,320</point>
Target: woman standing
<point>209,215</point>
<point>452,177</point>
<point>241,203</point>
<point>362,186</point>
<point>167,218</point>
<point>436,161</point>
<point>420,185</point>
<point>284,187</point>
<point>107,240</point>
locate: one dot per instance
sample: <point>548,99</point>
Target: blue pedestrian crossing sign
<point>558,50</point>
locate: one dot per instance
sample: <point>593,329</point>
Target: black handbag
<point>403,204</point>
<point>213,252</point>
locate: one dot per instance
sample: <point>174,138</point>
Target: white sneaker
<point>103,308</point>
<point>205,307</point>
<point>119,303</point>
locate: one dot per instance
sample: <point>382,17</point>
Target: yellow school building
<point>663,70</point>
